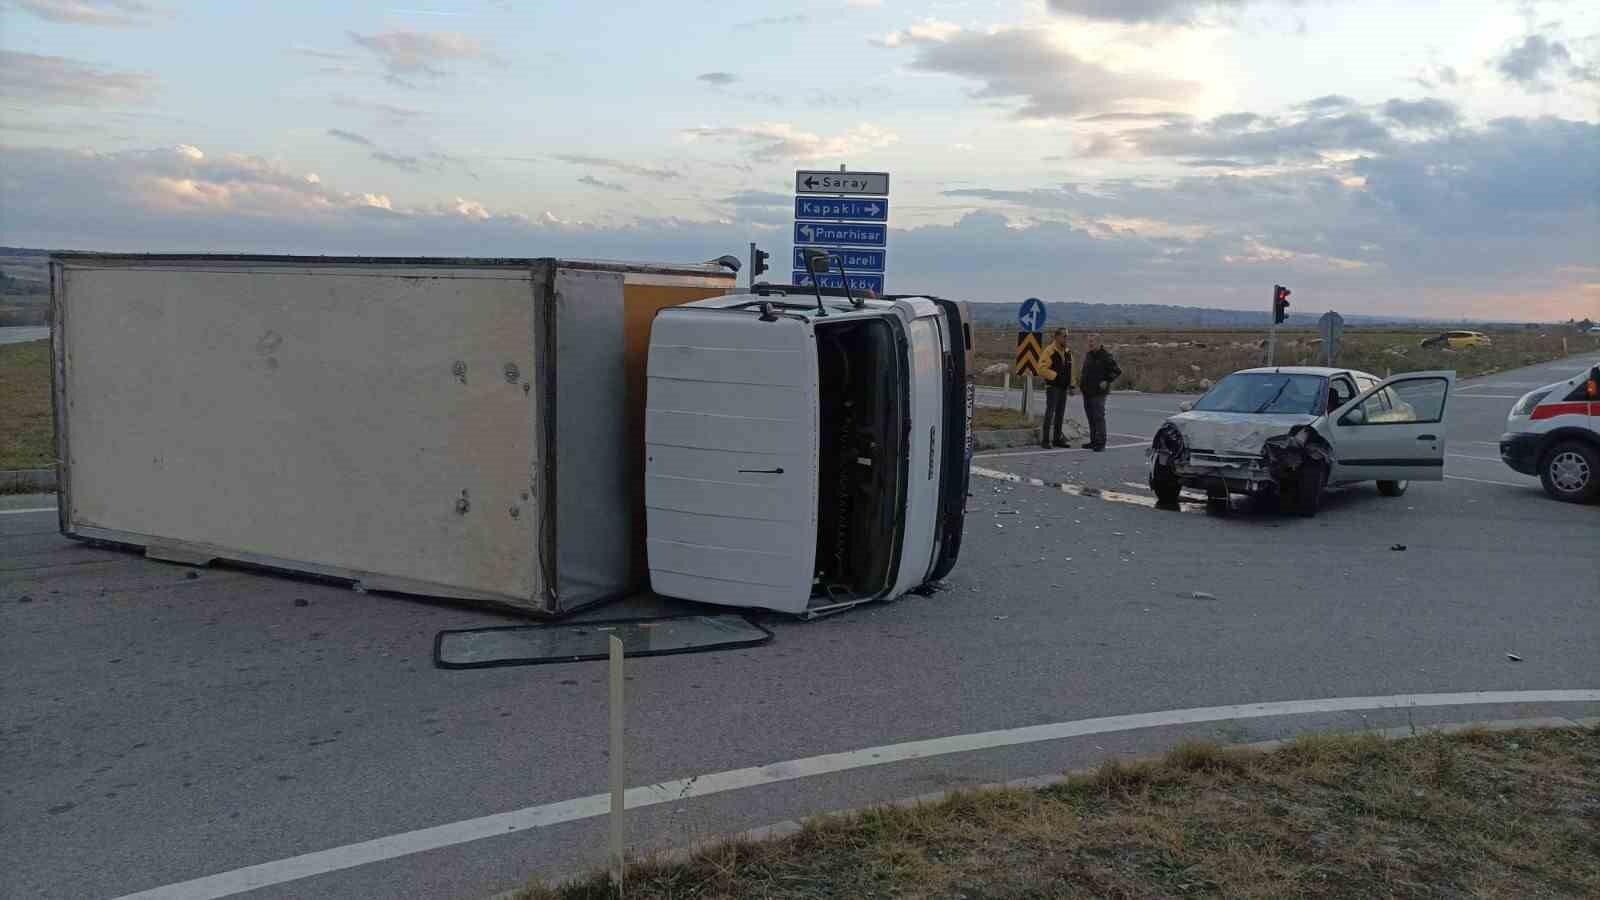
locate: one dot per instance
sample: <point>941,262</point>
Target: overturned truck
<point>477,429</point>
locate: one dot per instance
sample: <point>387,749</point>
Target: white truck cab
<point>806,452</point>
<point>1554,433</point>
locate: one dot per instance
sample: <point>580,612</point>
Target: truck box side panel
<point>594,506</point>
<point>369,421</point>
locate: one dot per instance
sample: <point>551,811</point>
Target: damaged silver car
<point>1284,434</point>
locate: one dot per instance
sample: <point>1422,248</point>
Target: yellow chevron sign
<point>1030,353</point>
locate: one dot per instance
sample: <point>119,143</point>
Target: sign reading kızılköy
<point>858,283</point>
<point>1030,354</point>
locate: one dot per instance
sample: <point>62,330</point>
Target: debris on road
<point>301,601</point>
<point>1513,657</point>
<point>1397,547</point>
<point>25,599</point>
<point>1200,595</point>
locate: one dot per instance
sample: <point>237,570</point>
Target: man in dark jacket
<point>1058,383</point>
<point>1100,371</point>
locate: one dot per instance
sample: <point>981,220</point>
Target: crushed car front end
<point>1221,452</point>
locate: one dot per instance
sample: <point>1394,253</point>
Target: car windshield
<point>1265,393</point>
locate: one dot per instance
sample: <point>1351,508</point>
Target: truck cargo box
<point>464,428</point>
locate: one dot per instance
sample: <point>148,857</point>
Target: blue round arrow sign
<point>1031,314</point>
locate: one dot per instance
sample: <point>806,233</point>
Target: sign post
<point>846,215</point>
<point>619,768</point>
<point>1030,346</point>
<point>1331,326</point>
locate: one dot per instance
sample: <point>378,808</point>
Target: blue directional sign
<point>1031,315</point>
<point>868,210</point>
<point>854,260</point>
<point>873,283</point>
<point>814,233</point>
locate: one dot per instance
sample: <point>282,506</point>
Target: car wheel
<point>1165,483</point>
<point>1393,488</point>
<point>1571,472</point>
<point>1308,492</point>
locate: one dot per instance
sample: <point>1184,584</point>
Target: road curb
<point>788,827</point>
<point>28,481</point>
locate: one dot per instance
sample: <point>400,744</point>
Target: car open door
<point>1393,432</point>
<point>731,458</point>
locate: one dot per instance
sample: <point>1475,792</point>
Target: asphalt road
<point>158,728</point>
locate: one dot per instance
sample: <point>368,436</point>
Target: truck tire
<point>1165,483</point>
<point>1393,488</point>
<point>1310,481</point>
<point>1570,472</point>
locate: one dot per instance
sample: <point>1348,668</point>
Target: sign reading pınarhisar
<point>866,184</point>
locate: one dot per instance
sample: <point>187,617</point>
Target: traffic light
<point>758,261</point>
<point>1280,304</point>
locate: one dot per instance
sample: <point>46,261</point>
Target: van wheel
<point>1393,488</point>
<point>1571,472</point>
<point>1308,490</point>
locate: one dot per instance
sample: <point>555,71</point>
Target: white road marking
<point>1076,490</point>
<point>18,512</point>
<point>996,454</point>
<point>1486,481</point>
<point>1493,459</point>
<point>321,862</point>
<point>1463,395</point>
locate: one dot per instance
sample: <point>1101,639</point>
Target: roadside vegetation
<point>1474,814</point>
<point>27,434</point>
<point>1188,361</point>
<point>988,418</point>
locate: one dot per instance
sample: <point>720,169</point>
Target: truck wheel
<point>1308,490</point>
<point>1165,483</point>
<point>1571,472</point>
<point>1393,488</point>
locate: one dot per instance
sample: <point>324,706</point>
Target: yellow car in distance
<point>1459,340</point>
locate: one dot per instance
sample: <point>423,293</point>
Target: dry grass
<point>1479,814</point>
<point>986,418</point>
<point>1179,361</point>
<point>27,434</point>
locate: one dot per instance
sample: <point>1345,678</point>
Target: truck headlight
<point>1524,407</point>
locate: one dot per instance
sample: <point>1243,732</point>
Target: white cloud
<point>775,141</point>
<point>92,12</point>
<point>1031,69</point>
<point>406,54</point>
<point>31,78</point>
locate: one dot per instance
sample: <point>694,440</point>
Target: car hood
<point>1225,432</point>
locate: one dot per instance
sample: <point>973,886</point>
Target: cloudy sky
<point>1413,157</point>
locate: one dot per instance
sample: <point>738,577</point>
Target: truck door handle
<point>1426,437</point>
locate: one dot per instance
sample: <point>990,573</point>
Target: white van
<point>806,452</point>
